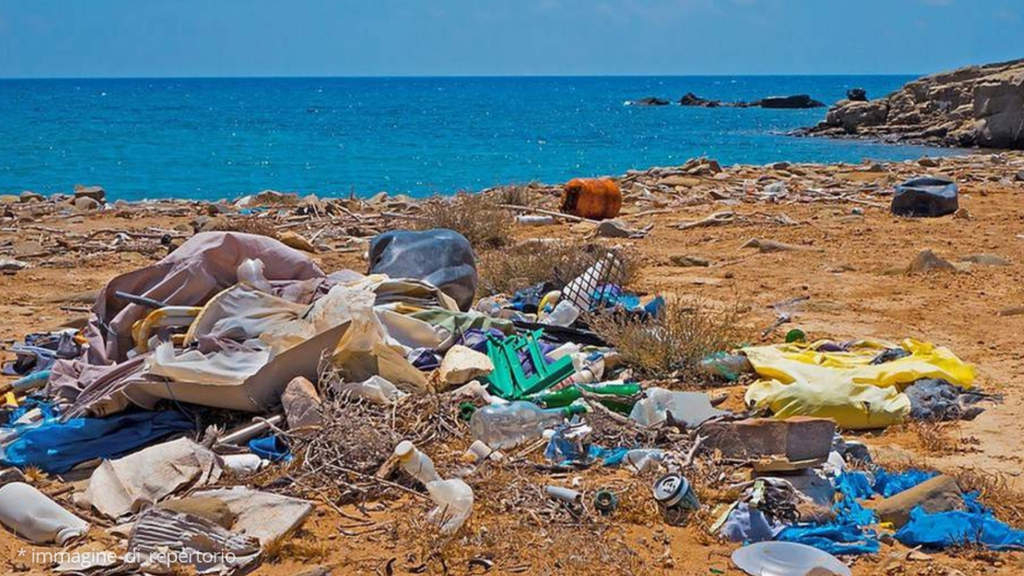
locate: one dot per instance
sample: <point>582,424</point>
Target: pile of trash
<point>215,393</point>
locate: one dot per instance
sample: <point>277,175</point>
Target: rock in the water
<point>97,193</point>
<point>462,364</point>
<point>296,240</point>
<point>972,106</point>
<point>688,261</point>
<point>927,261</point>
<point>649,101</point>
<point>857,95</point>
<point>766,246</point>
<point>986,259</point>
<point>925,197</point>
<point>795,101</point>
<point>691,99</point>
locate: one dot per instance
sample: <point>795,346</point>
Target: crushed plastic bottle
<point>416,463</point>
<point>454,500</point>
<point>250,272</point>
<point>375,389</point>
<point>725,365</point>
<point>644,459</point>
<point>29,513</point>
<point>504,426</point>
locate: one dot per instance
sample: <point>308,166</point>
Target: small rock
<point>97,193</point>
<point>766,246</point>
<point>616,229</point>
<point>857,211</point>
<point>679,180</point>
<point>1020,176</point>
<point>462,364</point>
<point>689,261</point>
<point>962,214</point>
<point>301,406</point>
<point>927,261</point>
<point>86,203</point>
<point>780,166</point>
<point>296,240</point>
<point>928,162</point>
<point>986,259</point>
<point>1012,311</point>
<point>30,196</point>
<point>857,95</point>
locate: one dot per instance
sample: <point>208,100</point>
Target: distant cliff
<point>973,106</point>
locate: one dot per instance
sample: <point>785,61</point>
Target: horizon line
<point>451,76</point>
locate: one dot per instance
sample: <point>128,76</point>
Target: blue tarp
<point>976,524</point>
<point>888,483</point>
<point>845,534</point>
<point>56,447</point>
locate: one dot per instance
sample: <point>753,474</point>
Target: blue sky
<point>113,38</point>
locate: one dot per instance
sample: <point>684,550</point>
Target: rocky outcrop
<point>649,101</point>
<point>974,106</point>
<point>796,101</point>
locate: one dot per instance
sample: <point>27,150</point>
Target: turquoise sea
<point>216,138</point>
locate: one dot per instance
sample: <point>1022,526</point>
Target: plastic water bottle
<point>504,426</point>
<point>454,499</point>
<point>563,315</point>
<point>728,366</point>
<point>416,463</point>
<point>33,515</point>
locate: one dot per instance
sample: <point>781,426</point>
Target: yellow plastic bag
<point>796,379</point>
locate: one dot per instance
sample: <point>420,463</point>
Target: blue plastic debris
<point>55,447</point>
<point>271,448</point>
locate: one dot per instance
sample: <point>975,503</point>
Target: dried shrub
<point>534,261</point>
<point>994,491</point>
<point>515,194</point>
<point>674,342</point>
<point>938,438</point>
<point>478,217</point>
<point>245,224</point>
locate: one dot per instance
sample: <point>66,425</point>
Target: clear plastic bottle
<point>564,314</point>
<point>454,499</point>
<point>33,515</point>
<point>504,426</point>
<point>416,463</point>
<point>724,365</point>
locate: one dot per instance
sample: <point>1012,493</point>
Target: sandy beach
<point>845,257</point>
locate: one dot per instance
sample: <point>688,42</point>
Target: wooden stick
<point>530,209</point>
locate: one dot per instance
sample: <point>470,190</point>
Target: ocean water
<point>223,138</point>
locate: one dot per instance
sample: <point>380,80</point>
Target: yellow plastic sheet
<point>797,380</point>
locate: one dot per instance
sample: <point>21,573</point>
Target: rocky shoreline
<point>975,106</point>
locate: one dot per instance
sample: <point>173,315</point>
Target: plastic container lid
<point>670,488</point>
<point>785,559</point>
<point>404,449</point>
